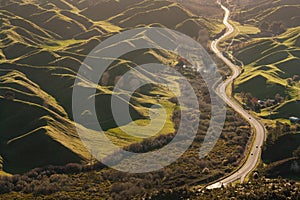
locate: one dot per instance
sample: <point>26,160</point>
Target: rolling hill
<point>42,45</point>
<point>273,62</point>
<point>286,11</point>
<point>267,46</point>
<point>269,82</point>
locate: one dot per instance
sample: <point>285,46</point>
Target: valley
<point>254,47</point>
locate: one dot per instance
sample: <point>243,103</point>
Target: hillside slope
<point>273,68</point>
<point>256,12</point>
<point>43,44</point>
<point>270,56</point>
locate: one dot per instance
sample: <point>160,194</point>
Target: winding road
<point>255,150</point>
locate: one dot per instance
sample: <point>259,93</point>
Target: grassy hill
<point>270,56</point>
<point>42,45</point>
<point>256,12</point>
<point>260,19</point>
<point>273,62</point>
<point>270,60</point>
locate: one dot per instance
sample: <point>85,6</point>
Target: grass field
<point>42,47</point>
<point>269,63</point>
<point>43,44</point>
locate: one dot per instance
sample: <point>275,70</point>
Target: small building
<point>267,103</point>
<point>272,101</point>
<point>295,120</point>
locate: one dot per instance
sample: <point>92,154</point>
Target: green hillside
<point>42,45</point>
<point>260,19</point>
<point>269,83</point>
<point>272,69</point>
<point>256,12</point>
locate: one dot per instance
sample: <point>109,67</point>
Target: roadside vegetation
<point>269,84</point>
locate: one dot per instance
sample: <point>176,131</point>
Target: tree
<point>243,96</point>
<point>295,77</point>
<point>278,98</point>
<point>289,81</point>
<point>248,97</point>
<point>275,132</point>
<point>296,153</point>
<point>205,171</point>
<point>264,26</point>
<point>255,175</point>
<point>277,28</point>
<point>255,105</point>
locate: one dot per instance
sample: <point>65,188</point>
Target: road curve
<point>255,151</point>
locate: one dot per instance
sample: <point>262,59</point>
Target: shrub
<point>45,189</point>
<point>205,171</point>
<point>5,186</point>
<point>72,168</point>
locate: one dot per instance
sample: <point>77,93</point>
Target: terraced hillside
<point>42,45</point>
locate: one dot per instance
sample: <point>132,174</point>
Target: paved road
<point>255,154</point>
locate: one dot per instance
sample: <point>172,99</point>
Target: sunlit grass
<point>120,138</point>
<point>56,45</point>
